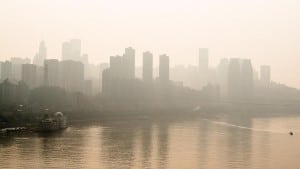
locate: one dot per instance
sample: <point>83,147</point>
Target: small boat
<point>52,122</point>
<point>12,130</point>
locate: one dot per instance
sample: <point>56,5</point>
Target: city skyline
<point>228,29</point>
<point>149,84</point>
<point>233,78</point>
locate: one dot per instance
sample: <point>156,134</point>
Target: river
<point>169,143</point>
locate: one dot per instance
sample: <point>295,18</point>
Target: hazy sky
<point>267,31</point>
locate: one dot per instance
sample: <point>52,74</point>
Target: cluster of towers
<point>234,77</point>
<point>240,78</point>
<point>67,74</point>
<point>121,71</point>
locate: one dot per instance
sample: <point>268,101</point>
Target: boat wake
<point>247,128</point>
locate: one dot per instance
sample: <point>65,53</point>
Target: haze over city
<point>168,84</point>
<point>264,31</point>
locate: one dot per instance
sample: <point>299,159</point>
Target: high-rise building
<point>118,67</point>
<point>247,82</point>
<point>222,76</point>
<point>102,67</point>
<point>72,75</point>
<point>265,74</point>
<point>119,77</point>
<point>88,86</point>
<point>85,59</point>
<point>164,68</point>
<point>51,72</point>
<point>29,75</point>
<point>129,62</point>
<point>40,57</point>
<point>6,70</point>
<point>147,66</point>
<point>66,51</point>
<point>72,50</point>
<point>0,70</point>
<point>234,78</point>
<point>39,76</point>
<point>17,67</point>
<point>106,81</point>
<point>8,92</point>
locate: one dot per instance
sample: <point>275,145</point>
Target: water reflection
<point>6,141</point>
<point>163,141</point>
<point>146,141</point>
<point>159,143</point>
<point>118,145</point>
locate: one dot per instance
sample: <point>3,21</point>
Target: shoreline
<point>186,112</point>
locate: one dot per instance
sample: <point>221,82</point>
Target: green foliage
<point>48,96</point>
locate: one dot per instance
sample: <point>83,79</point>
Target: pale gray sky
<point>267,31</point>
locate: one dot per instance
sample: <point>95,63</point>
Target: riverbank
<point>212,110</point>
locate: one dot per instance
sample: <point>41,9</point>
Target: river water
<point>160,143</point>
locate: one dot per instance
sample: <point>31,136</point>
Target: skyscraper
<point>40,75</point>
<point>8,92</point>
<point>29,75</point>
<point>265,74</point>
<point>6,70</point>
<point>247,82</point>
<point>88,86</point>
<point>0,70</point>
<point>106,85</point>
<point>147,66</point>
<point>119,74</point>
<point>51,72</point>
<point>72,75</point>
<point>17,67</point>
<point>117,67</point>
<point>102,67</point>
<point>129,62</point>
<point>164,68</point>
<point>223,76</point>
<point>234,78</point>
<point>40,57</point>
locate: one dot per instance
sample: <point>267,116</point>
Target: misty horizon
<point>265,32</point>
<point>168,84</point>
